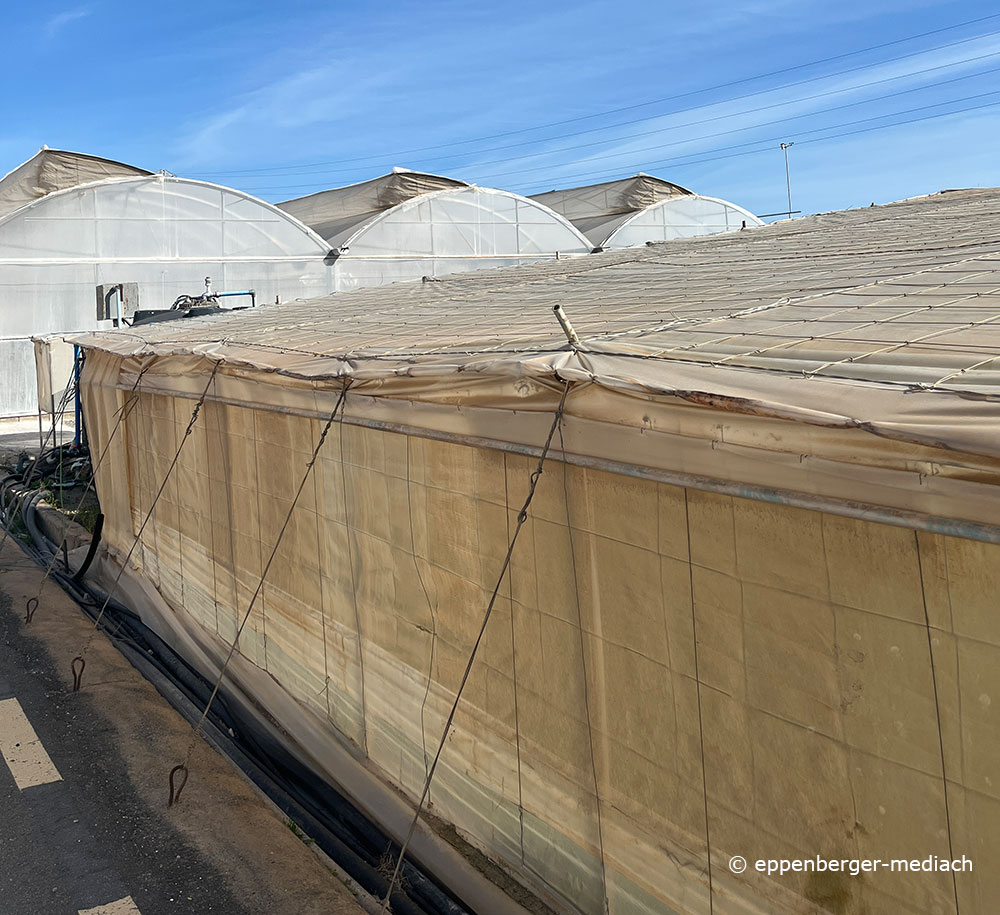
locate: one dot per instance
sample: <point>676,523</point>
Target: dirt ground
<point>263,861</point>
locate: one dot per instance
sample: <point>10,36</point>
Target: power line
<point>742,81</point>
<point>749,127</point>
<point>783,104</point>
<point>757,126</point>
<point>677,163</point>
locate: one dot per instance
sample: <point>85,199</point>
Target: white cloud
<point>727,123</point>
<point>59,21</point>
<point>353,97</point>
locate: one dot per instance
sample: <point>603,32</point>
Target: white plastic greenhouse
<point>632,211</point>
<point>406,225</point>
<point>71,223</point>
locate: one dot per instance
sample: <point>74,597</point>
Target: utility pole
<point>788,179</point>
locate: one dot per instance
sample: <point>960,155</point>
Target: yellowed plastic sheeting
<point>654,648</point>
<point>715,439</point>
<point>674,673</point>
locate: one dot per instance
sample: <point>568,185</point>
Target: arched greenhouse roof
<point>131,215</point>
<point>51,170</point>
<point>159,236</point>
<point>631,211</point>
<point>407,225</point>
<point>337,213</point>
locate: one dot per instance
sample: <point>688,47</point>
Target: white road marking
<point>122,907</point>
<point>22,750</point>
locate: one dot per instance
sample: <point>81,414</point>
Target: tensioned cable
<point>937,711</point>
<point>82,657</point>
<point>680,163</point>
<point>50,435</point>
<point>406,152</point>
<point>812,130</point>
<point>513,667</point>
<point>430,609</point>
<point>522,516</point>
<point>123,414</point>
<point>669,128</point>
<point>783,120</point>
<point>182,768</point>
<point>354,593</point>
<point>584,674</point>
<point>766,144</point>
<point>701,721</point>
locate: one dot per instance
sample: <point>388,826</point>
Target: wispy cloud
<point>460,95</point>
<point>327,96</point>
<point>721,124</point>
<point>55,24</point>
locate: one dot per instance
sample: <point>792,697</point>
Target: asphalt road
<point>102,832</point>
<point>22,435</point>
<point>88,839</point>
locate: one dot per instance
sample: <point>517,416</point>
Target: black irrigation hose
<point>95,542</point>
<point>48,462</point>
<point>332,821</point>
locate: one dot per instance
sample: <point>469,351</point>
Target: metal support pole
<point>788,177</point>
<point>77,408</point>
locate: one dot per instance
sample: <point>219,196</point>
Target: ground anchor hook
<point>78,673</point>
<point>29,609</point>
<point>175,791</point>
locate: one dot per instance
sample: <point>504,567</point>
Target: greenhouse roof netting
<point>51,170</point>
<point>864,340</point>
<point>862,295</point>
<point>631,211</point>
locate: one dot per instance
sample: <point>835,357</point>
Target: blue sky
<point>285,99</point>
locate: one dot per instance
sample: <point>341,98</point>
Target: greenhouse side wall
<point>165,235</point>
<point>17,377</point>
<point>657,657</point>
